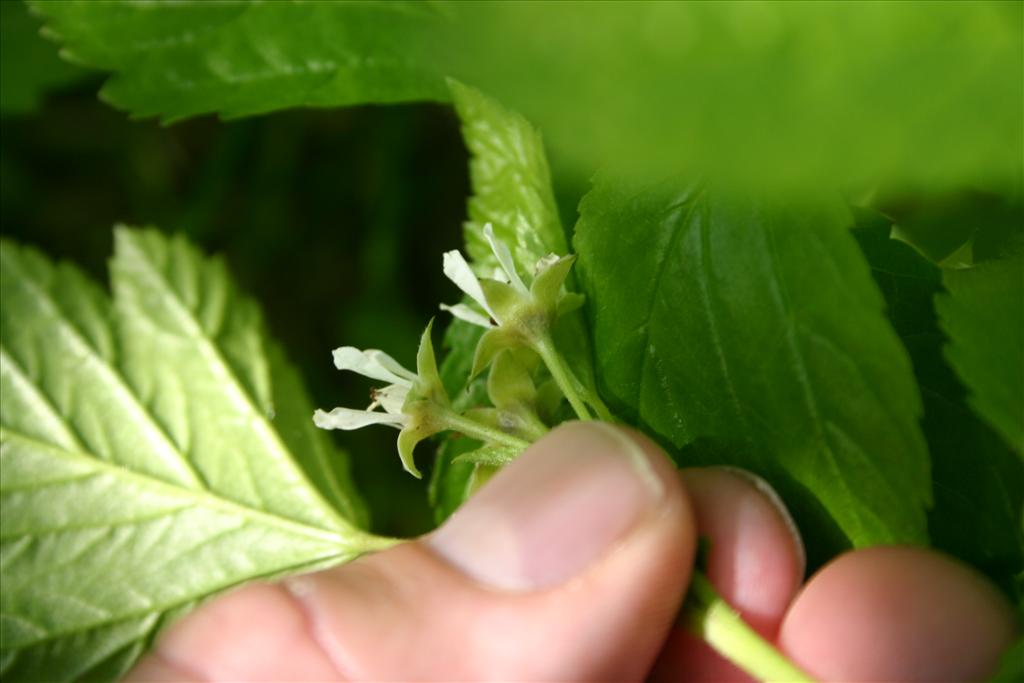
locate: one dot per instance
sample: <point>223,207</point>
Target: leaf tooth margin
<point>162,443</point>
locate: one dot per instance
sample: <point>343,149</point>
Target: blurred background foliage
<point>919,96</point>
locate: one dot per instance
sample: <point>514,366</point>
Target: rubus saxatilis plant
<point>852,349</point>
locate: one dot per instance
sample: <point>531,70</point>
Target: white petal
<point>504,257</point>
<point>372,363</point>
<point>466,313</point>
<point>391,398</point>
<point>348,419</point>
<point>458,271</point>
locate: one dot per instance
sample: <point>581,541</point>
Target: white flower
<point>413,402</point>
<point>459,272</point>
<point>514,315</point>
<point>377,365</point>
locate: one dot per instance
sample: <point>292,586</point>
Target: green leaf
<point>754,327</point>
<point>924,93</point>
<point>978,482</point>
<point>967,225</point>
<point>983,314</point>
<point>511,183</point>
<point>29,65</point>
<point>149,451</point>
<point>181,59</point>
<point>921,94</point>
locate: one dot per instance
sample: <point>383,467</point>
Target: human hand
<point>571,565</point>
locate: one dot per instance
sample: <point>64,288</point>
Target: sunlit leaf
<point>150,456</point>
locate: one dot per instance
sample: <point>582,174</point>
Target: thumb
<point>570,564</point>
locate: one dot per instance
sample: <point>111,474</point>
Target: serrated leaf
<point>983,314</point>
<point>180,59</point>
<point>144,466</point>
<point>977,481</point>
<point>757,323</point>
<point>29,65</point>
<point>511,183</point>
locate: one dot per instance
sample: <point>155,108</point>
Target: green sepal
<point>488,417</point>
<point>425,404</point>
<point>569,302</point>
<point>421,426</point>
<point>547,285</point>
<point>512,391</point>
<point>505,300</point>
<point>549,401</point>
<point>493,341</point>
<point>509,384</point>
<point>428,384</point>
<point>493,455</point>
<point>407,440</point>
<point>481,475</point>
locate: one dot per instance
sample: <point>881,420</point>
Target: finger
<point>754,558</point>
<point>888,614</point>
<point>257,633</point>
<point>570,565</point>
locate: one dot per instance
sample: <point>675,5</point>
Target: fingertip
<point>754,559</point>
<point>922,616</point>
<point>570,564</point>
<point>560,507</point>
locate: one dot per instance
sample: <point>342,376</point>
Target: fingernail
<point>554,511</point>
<point>769,492</point>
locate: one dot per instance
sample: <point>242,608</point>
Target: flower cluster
<point>518,319</point>
<point>413,402</point>
<point>513,314</point>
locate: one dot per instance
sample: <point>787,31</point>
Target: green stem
<point>566,381</point>
<point>600,408</point>
<point>712,620</point>
<point>478,430</point>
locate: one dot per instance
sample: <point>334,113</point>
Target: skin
<point>434,609</point>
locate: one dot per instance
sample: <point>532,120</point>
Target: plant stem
<point>712,620</point>
<point>478,430</point>
<point>600,408</point>
<point>560,372</point>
